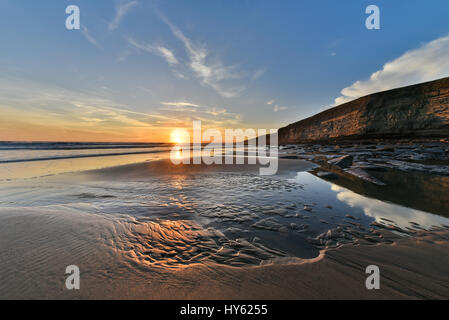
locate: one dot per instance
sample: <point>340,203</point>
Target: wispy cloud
<point>333,47</point>
<point>429,62</point>
<point>210,74</point>
<point>278,108</point>
<point>89,37</point>
<point>200,64</point>
<point>52,105</point>
<point>180,104</point>
<point>209,70</point>
<point>258,74</point>
<point>161,51</point>
<point>87,115</point>
<point>186,112</point>
<point>120,12</point>
<point>167,55</point>
<point>123,55</point>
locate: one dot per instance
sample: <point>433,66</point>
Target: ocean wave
<point>76,156</point>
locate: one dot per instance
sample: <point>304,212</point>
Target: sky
<point>137,69</point>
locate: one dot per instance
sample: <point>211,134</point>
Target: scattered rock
<point>278,211</point>
<point>386,149</point>
<point>326,175</point>
<point>362,174</point>
<point>283,229</point>
<point>267,224</point>
<point>294,226</point>
<point>342,162</point>
<point>307,208</point>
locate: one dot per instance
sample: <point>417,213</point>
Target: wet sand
<point>37,242</point>
<point>409,268</point>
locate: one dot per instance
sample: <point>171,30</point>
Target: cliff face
<point>420,110</point>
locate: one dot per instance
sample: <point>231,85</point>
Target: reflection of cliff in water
<point>411,189</point>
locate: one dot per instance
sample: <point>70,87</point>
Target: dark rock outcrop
<point>416,111</point>
<point>342,162</point>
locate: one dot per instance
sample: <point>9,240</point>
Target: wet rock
<point>368,166</point>
<point>256,240</point>
<point>267,224</point>
<point>386,149</point>
<point>301,216</point>
<point>326,175</point>
<point>362,174</point>
<point>294,226</point>
<point>342,162</point>
<point>279,211</point>
<point>326,149</point>
<point>409,166</point>
<point>307,208</point>
<point>433,150</point>
<point>307,157</point>
<point>329,243</point>
<point>333,234</point>
<point>283,229</point>
<point>304,226</point>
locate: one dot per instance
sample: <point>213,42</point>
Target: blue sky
<point>137,68</point>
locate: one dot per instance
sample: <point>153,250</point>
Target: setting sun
<point>180,136</point>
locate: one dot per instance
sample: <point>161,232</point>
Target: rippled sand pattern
<point>173,221</point>
<point>227,218</point>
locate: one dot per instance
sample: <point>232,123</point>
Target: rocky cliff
<point>416,111</point>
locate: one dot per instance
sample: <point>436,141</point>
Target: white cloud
<point>212,74</point>
<point>45,105</point>
<point>426,63</point>
<point>120,12</point>
<point>186,112</point>
<point>200,64</point>
<point>51,104</point>
<point>258,73</point>
<point>180,104</point>
<point>278,108</point>
<point>380,210</point>
<point>89,37</point>
<point>123,55</point>
<point>157,50</point>
<point>168,55</point>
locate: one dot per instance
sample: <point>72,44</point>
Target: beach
<point>153,230</point>
<point>224,150</point>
